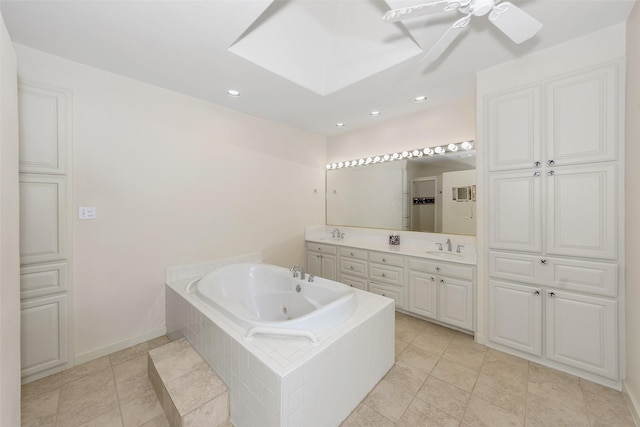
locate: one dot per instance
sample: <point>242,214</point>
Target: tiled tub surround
<point>284,381</point>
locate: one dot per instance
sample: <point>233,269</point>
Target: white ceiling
<point>306,63</point>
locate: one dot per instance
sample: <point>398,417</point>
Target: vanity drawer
<point>386,274</point>
<point>353,266</point>
<point>386,259</point>
<point>354,253</point>
<point>353,281</point>
<point>389,292</point>
<point>596,278</point>
<point>325,249</point>
<point>437,267</point>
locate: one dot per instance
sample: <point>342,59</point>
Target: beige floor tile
<point>444,396</point>
<point>407,330</point>
<point>496,355</point>
<point>87,398</point>
<point>141,409</point>
<point>129,353</point>
<point>601,392</point>
<point>506,394</point>
<point>438,330</point>
<point>47,421</point>
<point>605,410</point>
<point>406,377</point>
<point>554,385</point>
<point>418,358</point>
<point>400,345</point>
<point>465,355</point>
<point>110,418</point>
<point>159,421</point>
<point>461,338</point>
<point>212,413</point>
<point>85,369</point>
<point>434,343</point>
<point>178,364</point>
<point>175,347</point>
<point>158,342</point>
<point>505,371</point>
<point>549,412</point>
<point>365,416</point>
<point>388,400</point>
<point>420,413</point>
<point>455,374</point>
<point>39,407</point>
<point>43,385</point>
<point>482,413</point>
<point>194,389</point>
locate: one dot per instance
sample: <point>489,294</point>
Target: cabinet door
<point>513,129</point>
<point>515,316</point>
<point>314,264</point>
<point>44,340</point>
<point>581,332</point>
<point>329,266</point>
<point>423,294</point>
<point>515,211</point>
<point>455,302</point>
<point>582,117</point>
<point>582,214</point>
<point>355,282</point>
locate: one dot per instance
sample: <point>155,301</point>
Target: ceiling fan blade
<point>396,15</point>
<point>514,22</point>
<point>447,38</point>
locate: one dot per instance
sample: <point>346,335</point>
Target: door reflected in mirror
<point>433,194</point>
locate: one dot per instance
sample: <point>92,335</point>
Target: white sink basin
<point>445,254</point>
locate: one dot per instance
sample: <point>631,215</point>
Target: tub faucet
<point>449,245</point>
<point>295,269</point>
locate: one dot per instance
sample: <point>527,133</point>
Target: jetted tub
<point>267,299</point>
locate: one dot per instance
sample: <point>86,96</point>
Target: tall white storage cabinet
<point>553,170</point>
<point>44,119</point>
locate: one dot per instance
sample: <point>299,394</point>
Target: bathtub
<point>267,299</point>
<point>277,381</point>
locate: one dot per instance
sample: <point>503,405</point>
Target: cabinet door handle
<point>536,164</point>
<point>536,174</point>
<point>551,162</point>
<point>543,261</point>
<point>551,173</point>
<point>536,292</point>
<point>552,294</point>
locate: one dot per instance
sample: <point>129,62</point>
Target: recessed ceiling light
<point>420,98</point>
<point>340,125</point>
<point>233,92</point>
<point>374,113</point>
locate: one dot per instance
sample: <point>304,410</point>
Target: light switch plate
<point>86,212</point>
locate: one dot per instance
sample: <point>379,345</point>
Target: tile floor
<point>441,378</point>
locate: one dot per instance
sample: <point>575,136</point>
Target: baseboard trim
<point>632,403</point>
<point>105,351</point>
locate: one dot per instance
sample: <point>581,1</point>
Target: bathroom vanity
<point>422,279</point>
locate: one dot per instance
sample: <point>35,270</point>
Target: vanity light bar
<point>429,151</point>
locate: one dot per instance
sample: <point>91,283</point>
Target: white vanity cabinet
<point>386,276</point>
<point>354,267</point>
<point>578,330</point>
<point>442,291</point>
<point>322,260</point>
<point>552,223</point>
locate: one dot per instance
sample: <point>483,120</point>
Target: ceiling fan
<point>510,19</point>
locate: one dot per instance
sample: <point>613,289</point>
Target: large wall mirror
<point>433,194</point>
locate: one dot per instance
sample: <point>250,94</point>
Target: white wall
<point>444,124</point>
<point>175,180</point>
<point>9,237</point>
<point>632,199</point>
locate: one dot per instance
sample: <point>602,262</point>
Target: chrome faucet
<point>449,245</point>
<point>295,269</point>
<point>336,234</point>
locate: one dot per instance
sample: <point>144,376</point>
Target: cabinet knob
<point>383,275</point>
<point>551,162</point>
<point>552,294</point>
<point>536,174</point>
<point>551,173</point>
<point>543,261</point>
<point>536,164</point>
<point>441,280</point>
<point>433,279</point>
<point>384,260</point>
<point>536,292</point>
<point>437,268</point>
<point>351,267</point>
<point>351,253</point>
